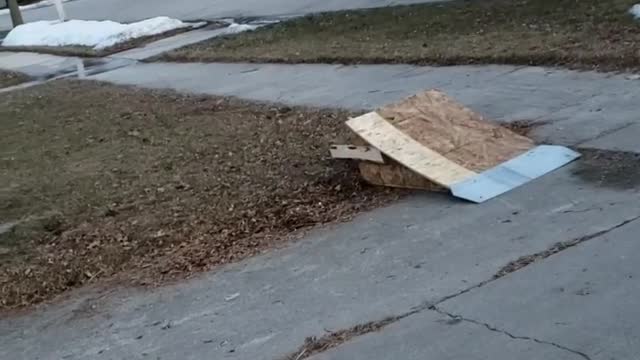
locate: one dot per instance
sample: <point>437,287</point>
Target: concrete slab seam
<point>527,260</point>
<point>507,333</point>
<point>313,345</point>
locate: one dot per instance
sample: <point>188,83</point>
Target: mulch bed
<point>142,186</point>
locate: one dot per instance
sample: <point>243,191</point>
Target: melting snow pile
<point>96,34</point>
<point>238,28</point>
<point>635,11</point>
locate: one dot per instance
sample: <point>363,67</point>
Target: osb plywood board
<point>448,128</point>
<point>404,149</point>
<point>431,142</point>
<point>394,174</point>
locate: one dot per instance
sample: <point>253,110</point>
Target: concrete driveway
<point>129,11</point>
<point>548,271</point>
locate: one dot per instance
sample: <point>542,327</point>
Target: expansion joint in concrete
<point>490,327</point>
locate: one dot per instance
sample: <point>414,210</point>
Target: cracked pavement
<point>547,271</point>
<point>435,336</point>
<point>582,299</point>
<point>369,346</point>
<point>510,335</point>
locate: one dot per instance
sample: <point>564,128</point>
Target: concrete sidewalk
<point>572,108</point>
<point>45,66</point>
<point>42,67</point>
<point>387,262</point>
<point>434,264</point>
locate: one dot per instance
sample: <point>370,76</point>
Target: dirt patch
<point>313,345</point>
<point>594,34</point>
<point>525,261</point>
<point>146,186</point>
<point>606,168</point>
<point>10,78</point>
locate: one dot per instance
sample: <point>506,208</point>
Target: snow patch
<point>95,34</point>
<point>238,28</point>
<point>635,11</point>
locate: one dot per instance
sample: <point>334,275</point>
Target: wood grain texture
<point>399,146</point>
<point>446,127</point>
<point>394,174</point>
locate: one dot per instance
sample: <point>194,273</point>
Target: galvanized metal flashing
<point>513,173</point>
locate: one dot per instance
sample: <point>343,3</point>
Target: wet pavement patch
<point>606,168</point>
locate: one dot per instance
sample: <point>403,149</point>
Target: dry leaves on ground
<point>111,181</point>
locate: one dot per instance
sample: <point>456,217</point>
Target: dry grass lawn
<point>143,186</point>
<point>10,78</point>
<point>598,34</point>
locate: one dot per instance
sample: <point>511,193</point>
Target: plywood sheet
<point>394,174</point>
<point>431,142</point>
<point>448,128</point>
<point>399,146</point>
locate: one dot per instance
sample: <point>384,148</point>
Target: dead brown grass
<point>598,34</point>
<point>10,78</point>
<point>315,345</point>
<point>146,186</point>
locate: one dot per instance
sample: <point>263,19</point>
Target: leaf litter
<point>143,187</point>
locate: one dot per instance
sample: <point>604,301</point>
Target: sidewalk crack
<point>314,345</point>
<point>527,260</point>
<point>509,334</point>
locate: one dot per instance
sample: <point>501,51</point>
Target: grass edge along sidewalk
<point>587,34</point>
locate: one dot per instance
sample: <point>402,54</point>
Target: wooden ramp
<point>431,142</point>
